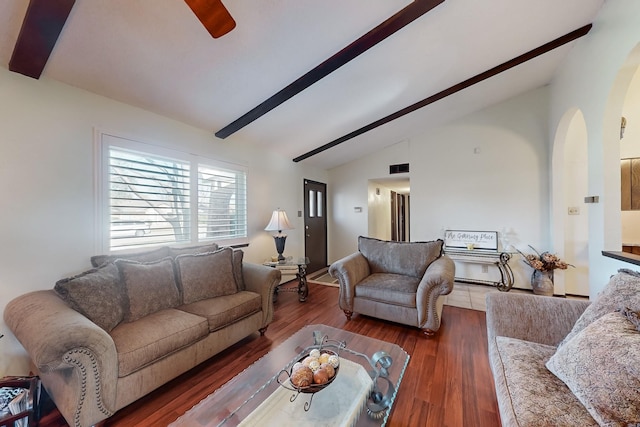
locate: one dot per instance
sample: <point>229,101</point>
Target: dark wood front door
<point>315,224</point>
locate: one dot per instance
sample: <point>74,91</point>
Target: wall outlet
<point>485,268</point>
<point>574,210</point>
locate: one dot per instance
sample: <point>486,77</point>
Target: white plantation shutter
<point>152,197</point>
<point>149,199</point>
<point>222,207</point>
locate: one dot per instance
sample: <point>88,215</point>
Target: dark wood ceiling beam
<point>361,45</point>
<point>453,89</point>
<point>40,30</point>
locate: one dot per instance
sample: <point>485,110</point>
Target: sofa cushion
<point>192,250</point>
<point>408,258</point>
<point>144,256</point>
<point>153,337</point>
<point>601,365</point>
<point>97,294</point>
<point>224,310</point>
<point>149,287</point>
<point>534,395</point>
<point>238,256</point>
<point>623,290</point>
<point>389,288</point>
<point>203,276</point>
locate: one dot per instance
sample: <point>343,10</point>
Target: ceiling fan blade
<point>213,15</point>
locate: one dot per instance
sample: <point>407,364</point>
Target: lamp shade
<point>279,221</point>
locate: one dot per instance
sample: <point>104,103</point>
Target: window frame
<point>105,141</point>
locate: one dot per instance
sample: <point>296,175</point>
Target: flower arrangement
<point>544,261</point>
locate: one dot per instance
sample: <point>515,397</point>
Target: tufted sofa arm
<point>262,280</point>
<point>437,280</point>
<point>349,271</point>
<point>70,352</point>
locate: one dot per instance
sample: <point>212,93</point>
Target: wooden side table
<point>297,268</point>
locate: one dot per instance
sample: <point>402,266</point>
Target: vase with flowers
<point>543,265</point>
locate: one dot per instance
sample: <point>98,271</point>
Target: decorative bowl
<point>313,388</point>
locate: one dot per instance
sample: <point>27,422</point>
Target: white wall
<point>47,184</point>
<point>585,80</point>
<point>379,211</point>
<point>575,248</point>
<point>487,192</point>
<point>487,171</point>
<point>348,188</point>
<point>502,186</point>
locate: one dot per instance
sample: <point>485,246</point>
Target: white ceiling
<point>156,55</point>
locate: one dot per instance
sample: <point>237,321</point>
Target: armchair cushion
<point>407,258</point>
<point>389,288</point>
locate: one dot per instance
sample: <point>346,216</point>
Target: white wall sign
<point>464,239</point>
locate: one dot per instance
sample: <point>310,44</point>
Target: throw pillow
<point>623,290</point>
<point>601,366</point>
<point>238,256</point>
<point>97,294</point>
<point>144,256</point>
<point>150,287</point>
<point>408,258</point>
<point>209,275</point>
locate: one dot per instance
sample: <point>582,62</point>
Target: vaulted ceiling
<point>156,54</point>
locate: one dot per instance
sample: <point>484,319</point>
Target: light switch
<point>592,199</point>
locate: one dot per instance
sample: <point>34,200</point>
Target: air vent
<point>400,168</point>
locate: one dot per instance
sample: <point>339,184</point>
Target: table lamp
<point>279,222</point>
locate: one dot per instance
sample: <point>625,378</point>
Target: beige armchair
<point>397,281</point>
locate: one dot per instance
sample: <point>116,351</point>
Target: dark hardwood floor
<point>448,381</point>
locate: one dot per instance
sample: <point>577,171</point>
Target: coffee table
<point>362,393</point>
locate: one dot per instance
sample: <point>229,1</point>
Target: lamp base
<point>280,241</point>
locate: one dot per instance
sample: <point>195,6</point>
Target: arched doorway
<point>623,101</point>
<point>570,216</point>
<point>630,167</point>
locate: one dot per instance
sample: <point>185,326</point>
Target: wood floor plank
<point>448,381</point>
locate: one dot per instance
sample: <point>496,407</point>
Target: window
<point>222,210</point>
<point>156,197</point>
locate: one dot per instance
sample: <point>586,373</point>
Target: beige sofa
<point>397,281</point>
<point>107,337</point>
<point>567,362</point>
